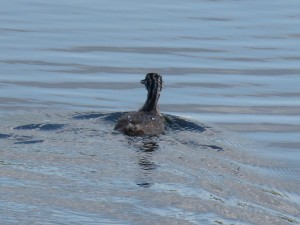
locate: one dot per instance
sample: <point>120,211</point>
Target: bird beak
<point>143,81</point>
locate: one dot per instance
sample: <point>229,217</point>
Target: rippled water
<point>230,154</point>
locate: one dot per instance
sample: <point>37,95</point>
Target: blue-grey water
<point>231,152</point>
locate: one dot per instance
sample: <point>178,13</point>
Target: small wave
<point>88,116</point>
<point>3,136</point>
<point>42,127</point>
<point>177,123</point>
<point>29,142</point>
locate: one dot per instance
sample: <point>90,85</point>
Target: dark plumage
<point>148,120</point>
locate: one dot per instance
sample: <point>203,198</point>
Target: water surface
<point>231,72</point>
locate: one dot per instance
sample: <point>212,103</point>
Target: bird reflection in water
<point>146,163</point>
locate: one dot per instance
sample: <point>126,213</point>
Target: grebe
<point>148,120</point>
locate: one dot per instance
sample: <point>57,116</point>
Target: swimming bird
<point>148,120</point>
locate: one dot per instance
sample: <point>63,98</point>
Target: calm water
<point>231,71</point>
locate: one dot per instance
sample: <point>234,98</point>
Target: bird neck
<point>151,101</point>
